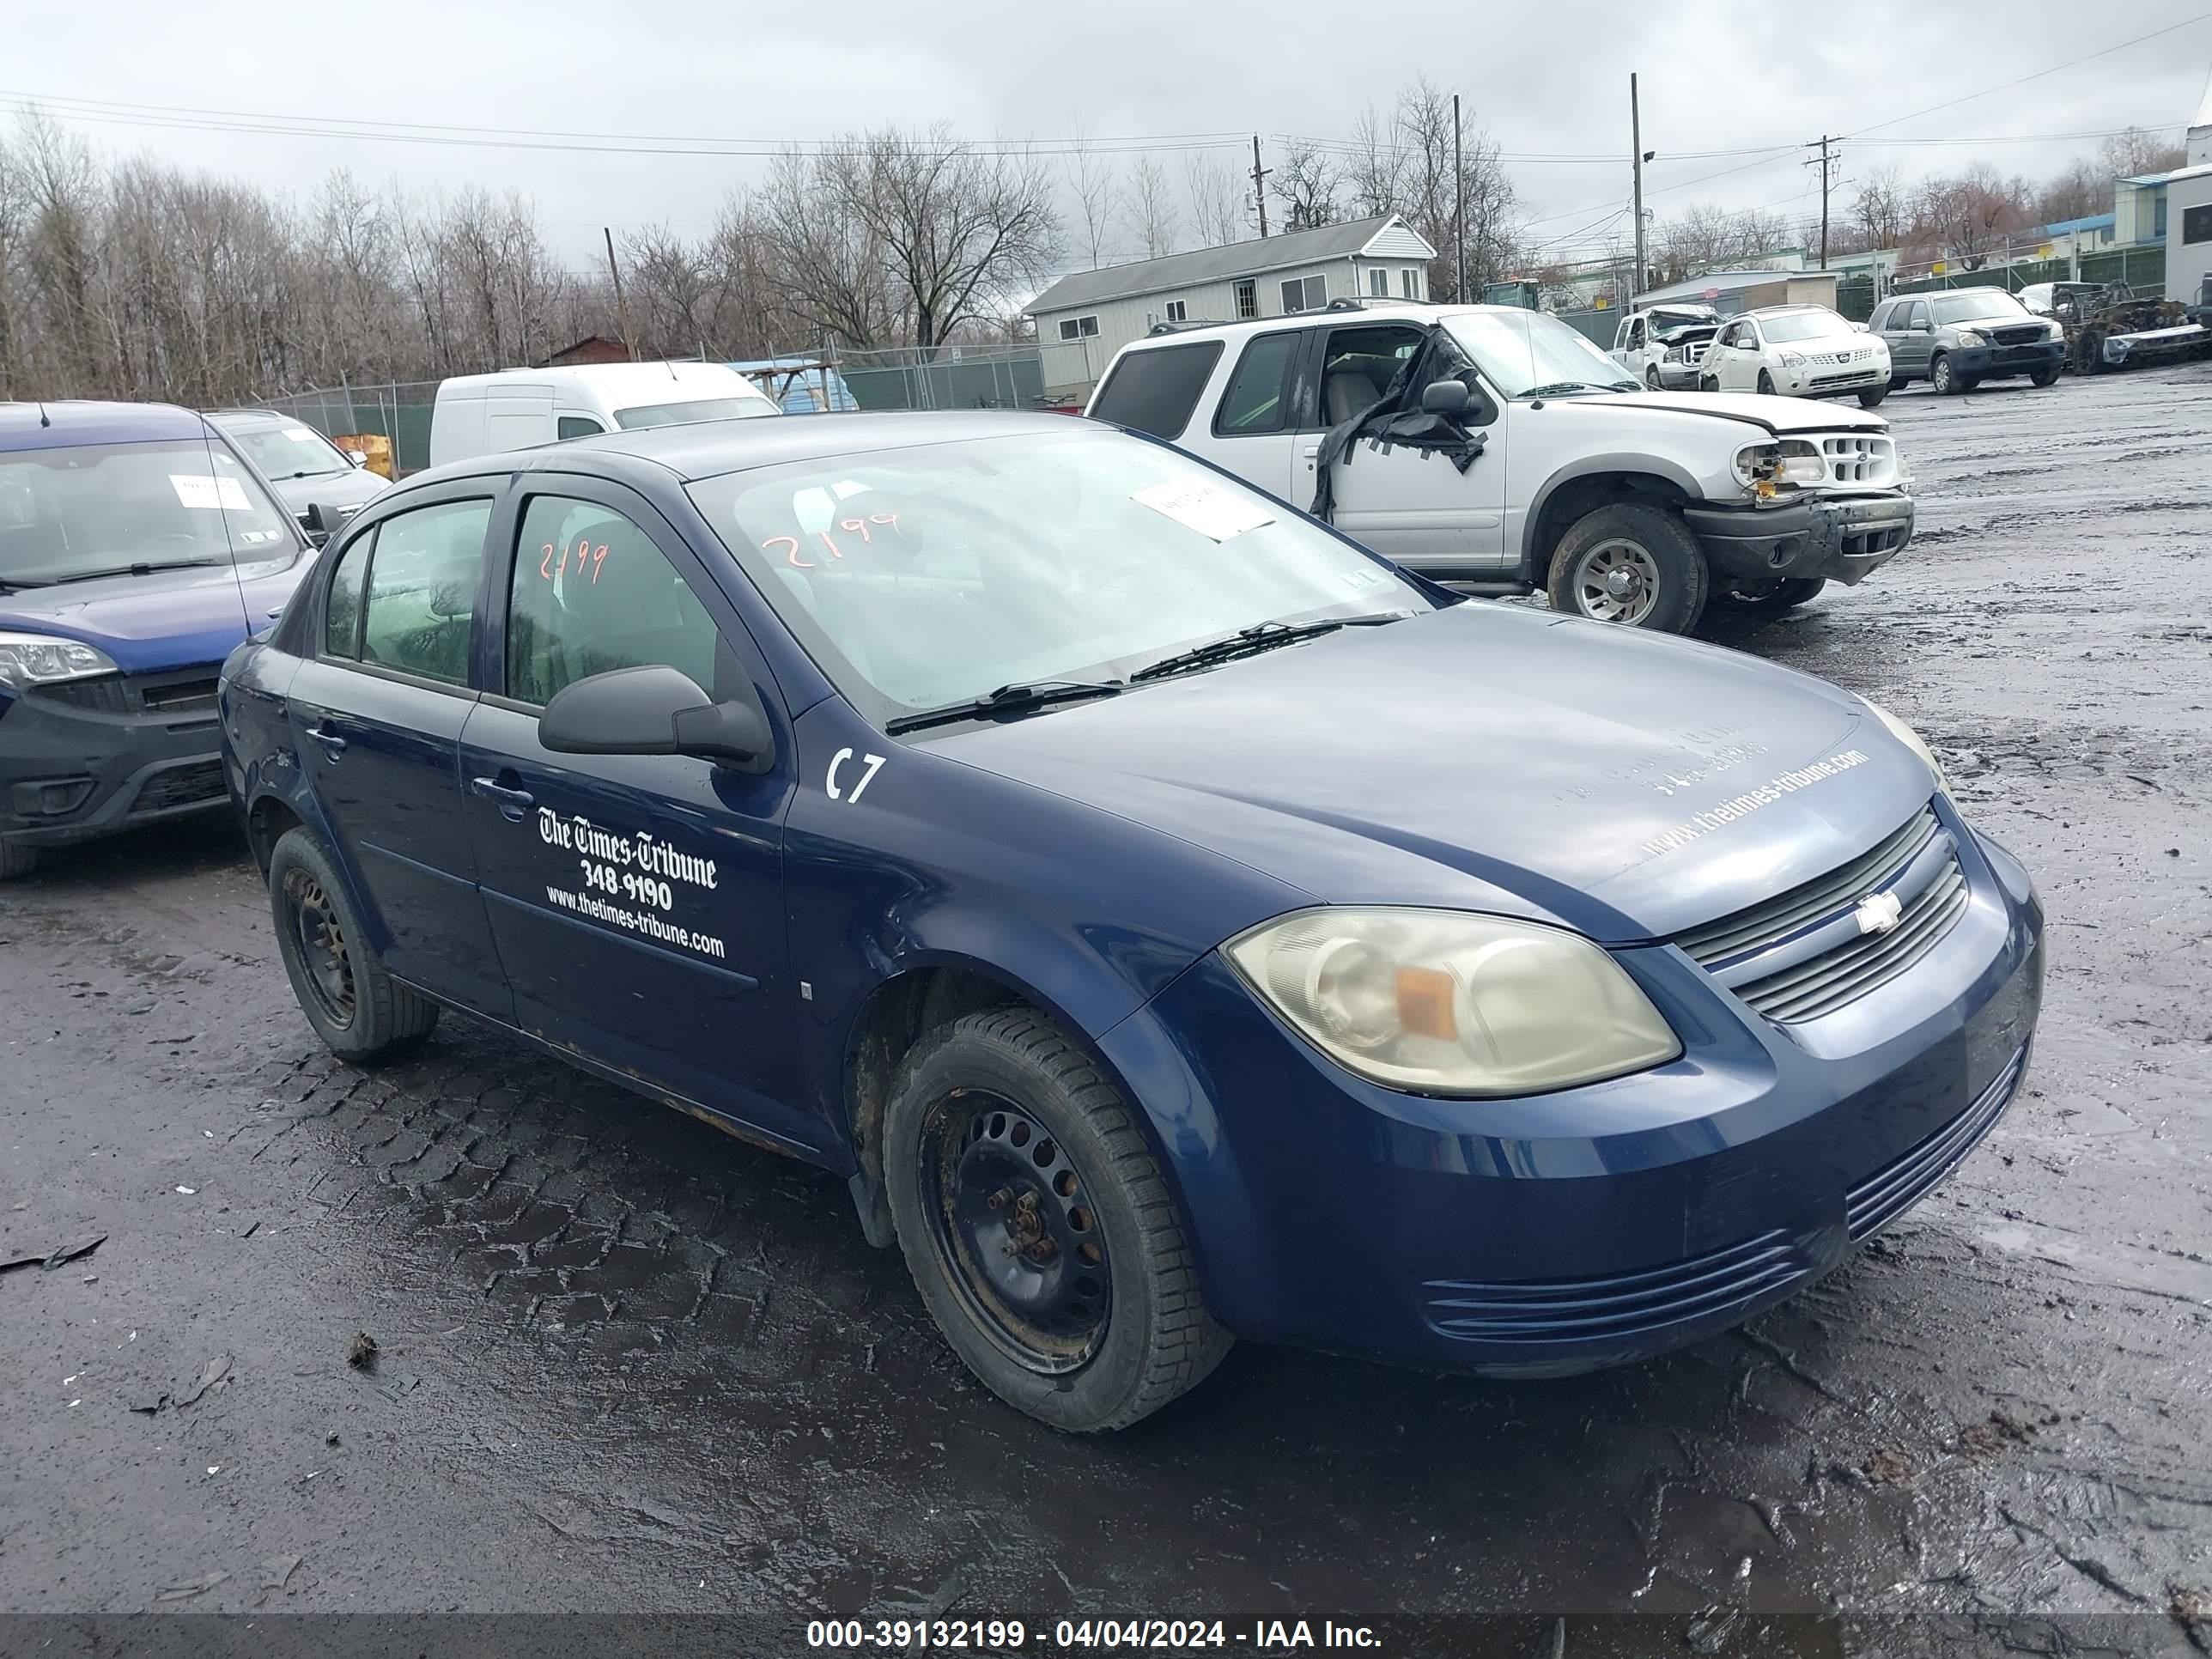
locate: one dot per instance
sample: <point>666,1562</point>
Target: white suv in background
<point>1624,505</point>
<point>1799,351</point>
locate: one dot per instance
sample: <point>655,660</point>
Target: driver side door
<point>636,901</point>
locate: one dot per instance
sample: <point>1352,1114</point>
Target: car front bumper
<point>87,758</point>
<point>1830,381</point>
<point>1994,362</point>
<point>1843,539</point>
<point>1596,1226</point>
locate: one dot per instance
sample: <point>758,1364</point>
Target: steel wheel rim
<point>320,937</point>
<point>1011,1219</point>
<point>1617,580</point>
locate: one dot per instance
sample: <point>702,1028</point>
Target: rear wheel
<point>1633,564</point>
<point>1039,1228</point>
<point>16,859</point>
<point>1769,599</point>
<point>1873,395</point>
<point>360,1013</point>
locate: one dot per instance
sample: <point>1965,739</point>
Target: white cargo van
<point>516,408</point>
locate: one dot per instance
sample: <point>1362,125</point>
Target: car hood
<point>167,619</point>
<point>351,488</point>
<point>1492,757</point>
<point>1777,415</point>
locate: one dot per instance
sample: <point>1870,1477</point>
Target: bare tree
<point>1097,199</point>
<point>2083,189</point>
<point>1706,237</point>
<point>1878,212</point>
<point>1417,162</point>
<point>830,263</point>
<point>1150,207</point>
<point>1376,171</point>
<point>1216,194</point>
<point>2133,153</point>
<point>1307,185</point>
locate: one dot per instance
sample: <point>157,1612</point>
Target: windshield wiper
<point>1007,699</point>
<point>14,584</point>
<point>134,570</point>
<point>1560,388</point>
<point>1263,637</point>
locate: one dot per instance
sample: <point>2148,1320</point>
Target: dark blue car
<point>137,549</point>
<point>1173,921</point>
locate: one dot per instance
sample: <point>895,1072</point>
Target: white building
<point>1082,320</point>
<point>2189,211</point>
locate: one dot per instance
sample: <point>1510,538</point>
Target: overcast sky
<point>1541,80</point>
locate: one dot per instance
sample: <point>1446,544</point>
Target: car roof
<point>1337,315</point>
<point>235,418</point>
<point>708,449</point>
<point>640,382</point>
<point>1795,305</point>
<point>73,420</point>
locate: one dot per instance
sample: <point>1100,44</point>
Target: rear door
<point>1405,504</point>
<point>637,901</point>
<point>1252,427</point>
<point>1908,337</point>
<point>376,716</point>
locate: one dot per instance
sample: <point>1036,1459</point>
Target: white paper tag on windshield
<point>299,433</point>
<point>199,490</point>
<point>1197,504</point>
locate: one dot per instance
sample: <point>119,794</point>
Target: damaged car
<point>1663,346</point>
<point>1116,878</point>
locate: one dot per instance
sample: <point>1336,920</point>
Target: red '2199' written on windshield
<point>865,528</point>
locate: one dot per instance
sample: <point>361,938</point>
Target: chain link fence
<point>2142,267</point>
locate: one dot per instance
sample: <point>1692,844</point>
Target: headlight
<point>1444,1002</point>
<point>2057,330</point>
<point>1792,360</point>
<point>40,659</point>
<point>1910,738</point>
<point>1763,468</point>
<point>1972,336</point>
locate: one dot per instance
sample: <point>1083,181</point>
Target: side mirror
<point>324,520</point>
<point>655,710</point>
<point>1446,397</point>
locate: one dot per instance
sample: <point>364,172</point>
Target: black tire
<point>2089,352</point>
<point>1768,598</point>
<point>2044,376</point>
<point>360,1013</point>
<point>1872,395</point>
<point>1765,383</point>
<point>1671,573</point>
<point>1651,378</point>
<point>1008,1096</point>
<point>1947,382</point>
<point>1707,383</point>
<point>17,859</point>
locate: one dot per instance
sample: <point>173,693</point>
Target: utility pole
<point>1459,211</point>
<point>1824,161</point>
<point>1635,147</point>
<point>1260,184</point>
<point>622,311</point>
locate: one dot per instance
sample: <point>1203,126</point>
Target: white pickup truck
<point>1624,505</point>
<point>1664,346</point>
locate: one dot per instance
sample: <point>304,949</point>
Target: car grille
<point>1694,352</point>
<point>1891,1190</point>
<point>1750,952</point>
<point>1854,458</point>
<point>180,786</point>
<point>1618,1304</point>
<point>186,693</point>
<point>2025,334</point>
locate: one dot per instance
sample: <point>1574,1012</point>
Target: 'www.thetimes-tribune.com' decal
<point>615,866</point>
<point>1729,811</point>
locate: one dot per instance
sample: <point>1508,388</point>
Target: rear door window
<point>1155,390</point>
<point>421,593</point>
<point>342,608</point>
<point>1258,394</point>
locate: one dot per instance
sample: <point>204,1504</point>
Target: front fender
<point>1672,469</point>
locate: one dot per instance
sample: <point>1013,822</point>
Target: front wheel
<point>1039,1228</point>
<point>1652,377</point>
<point>1873,395</point>
<point>1947,381</point>
<point>1631,564</point>
<point>1769,599</point>
<point>17,859</point>
<point>360,1013</point>
<point>1765,383</point>
<point>2044,376</point>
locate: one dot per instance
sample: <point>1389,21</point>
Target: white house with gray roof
<point>1084,319</point>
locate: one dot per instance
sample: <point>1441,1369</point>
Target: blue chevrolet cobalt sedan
<point>1172,921</point>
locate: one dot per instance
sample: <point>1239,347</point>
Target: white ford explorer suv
<point>1624,505</point>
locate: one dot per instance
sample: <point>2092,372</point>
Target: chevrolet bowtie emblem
<point>1879,912</point>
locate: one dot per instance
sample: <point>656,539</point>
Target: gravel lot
<point>627,1363</point>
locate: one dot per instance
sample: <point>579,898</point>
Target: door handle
<point>1310,451</point>
<point>513,803</point>
<point>333,743</point>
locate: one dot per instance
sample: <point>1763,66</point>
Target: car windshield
<point>1976,305</point>
<point>1802,326</point>
<point>1521,352</point>
<point>94,509</point>
<point>924,576</point>
<point>702,408</point>
<point>288,451</point>
<point>1667,322</point>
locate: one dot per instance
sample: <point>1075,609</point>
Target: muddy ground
<point>625,1364</point>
